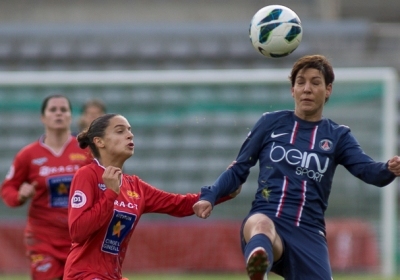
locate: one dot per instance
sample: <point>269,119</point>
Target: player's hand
<point>394,165</point>
<point>202,209</point>
<point>26,191</point>
<point>112,178</point>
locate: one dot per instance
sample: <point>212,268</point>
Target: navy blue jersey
<point>297,162</point>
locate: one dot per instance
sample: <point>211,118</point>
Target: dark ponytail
<point>96,129</point>
<point>83,139</point>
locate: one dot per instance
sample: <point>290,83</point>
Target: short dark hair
<point>96,129</point>
<point>46,101</point>
<point>316,61</point>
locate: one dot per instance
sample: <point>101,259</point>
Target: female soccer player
<point>43,171</point>
<point>298,152</point>
<point>106,205</point>
<point>90,111</point>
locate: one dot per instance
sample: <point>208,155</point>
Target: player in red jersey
<point>106,205</point>
<point>91,110</point>
<point>42,171</point>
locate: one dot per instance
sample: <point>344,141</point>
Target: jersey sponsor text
<point>303,159</point>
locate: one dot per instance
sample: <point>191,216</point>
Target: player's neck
<point>316,117</point>
<point>56,140</point>
<point>105,161</point>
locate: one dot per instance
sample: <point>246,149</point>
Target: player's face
<point>91,113</point>
<point>118,139</point>
<point>57,115</point>
<point>309,93</point>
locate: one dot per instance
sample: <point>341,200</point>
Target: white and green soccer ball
<point>275,31</point>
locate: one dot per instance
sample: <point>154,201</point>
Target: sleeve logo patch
<point>78,199</point>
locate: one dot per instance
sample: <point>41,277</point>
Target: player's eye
<point>317,82</point>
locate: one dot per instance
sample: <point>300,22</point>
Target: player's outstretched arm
<point>239,189</point>
<point>203,208</point>
<point>394,165</point>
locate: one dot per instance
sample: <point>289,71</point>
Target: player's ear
<point>292,90</point>
<point>328,91</point>
<point>98,142</point>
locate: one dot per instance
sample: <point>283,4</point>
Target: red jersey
<point>47,223</point>
<point>101,222</point>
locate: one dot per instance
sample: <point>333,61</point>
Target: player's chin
<point>59,127</point>
<point>308,107</point>
<point>307,103</point>
<point>127,153</point>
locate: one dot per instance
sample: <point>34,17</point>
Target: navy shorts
<point>305,255</point>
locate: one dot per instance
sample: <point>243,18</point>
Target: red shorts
<point>97,278</point>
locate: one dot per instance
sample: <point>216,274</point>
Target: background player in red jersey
<point>42,171</point>
<point>106,205</point>
<point>91,110</point>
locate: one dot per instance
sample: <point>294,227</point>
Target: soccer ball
<point>275,31</point>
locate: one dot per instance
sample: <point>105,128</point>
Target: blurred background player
<point>42,171</point>
<point>106,204</point>
<point>91,110</point>
<point>298,152</point>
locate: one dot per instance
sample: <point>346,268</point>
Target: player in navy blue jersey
<point>298,152</point>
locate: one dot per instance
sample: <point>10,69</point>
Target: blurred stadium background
<point>185,135</point>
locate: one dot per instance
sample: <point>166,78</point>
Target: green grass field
<point>211,277</point>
